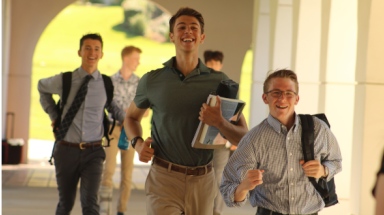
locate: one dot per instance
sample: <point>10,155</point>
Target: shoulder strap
<point>308,136</point>
<point>307,141</point>
<point>67,83</point>
<point>108,85</point>
<point>108,88</point>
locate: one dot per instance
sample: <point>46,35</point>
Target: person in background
<point>125,83</point>
<point>78,152</point>
<point>214,60</point>
<point>378,191</point>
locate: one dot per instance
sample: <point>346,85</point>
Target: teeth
<point>92,58</point>
<point>187,40</point>
<point>281,106</point>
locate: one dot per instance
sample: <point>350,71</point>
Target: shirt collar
<point>201,68</point>
<point>83,73</point>
<point>130,79</point>
<point>277,126</point>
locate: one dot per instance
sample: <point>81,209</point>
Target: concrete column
<point>261,47</point>
<point>282,49</point>
<point>368,144</point>
<point>340,83</point>
<point>6,40</point>
<point>307,55</point>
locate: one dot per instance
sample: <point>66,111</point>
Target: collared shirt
<point>270,147</point>
<point>176,105</point>
<point>87,126</point>
<point>124,90</point>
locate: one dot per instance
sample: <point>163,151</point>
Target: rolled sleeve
<point>241,161</point>
<point>118,113</point>
<point>47,87</point>
<point>333,157</point>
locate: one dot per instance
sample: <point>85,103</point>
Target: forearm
<point>132,128</point>
<point>233,133</point>
<point>240,193</point>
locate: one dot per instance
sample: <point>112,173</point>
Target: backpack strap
<point>108,85</point>
<point>307,141</point>
<point>67,83</point>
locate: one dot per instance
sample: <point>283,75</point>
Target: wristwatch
<point>326,171</point>
<point>134,140</point>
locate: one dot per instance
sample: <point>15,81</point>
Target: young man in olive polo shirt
<point>181,180</point>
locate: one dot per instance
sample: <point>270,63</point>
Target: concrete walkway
<point>30,189</point>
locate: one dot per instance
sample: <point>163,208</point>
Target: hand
<point>144,150</point>
<point>313,168</point>
<point>253,178</point>
<point>233,148</point>
<point>211,115</point>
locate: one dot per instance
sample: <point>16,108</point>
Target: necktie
<point>72,111</point>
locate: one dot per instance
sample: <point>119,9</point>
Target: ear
<point>102,54</point>
<point>264,96</point>
<point>202,38</point>
<point>297,99</point>
<point>171,37</point>
<point>79,53</point>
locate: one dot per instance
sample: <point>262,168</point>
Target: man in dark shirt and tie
<point>78,151</point>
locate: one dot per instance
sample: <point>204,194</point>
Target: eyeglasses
<point>277,93</point>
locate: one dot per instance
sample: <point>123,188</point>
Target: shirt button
<point>293,198</point>
<point>288,138</point>
<point>83,132</point>
<point>290,154</point>
<point>181,75</point>
<point>291,184</point>
<point>291,169</point>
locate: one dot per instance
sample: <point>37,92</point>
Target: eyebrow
<point>180,23</point>
<point>91,46</point>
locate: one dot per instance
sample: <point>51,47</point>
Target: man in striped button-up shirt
<point>268,166</point>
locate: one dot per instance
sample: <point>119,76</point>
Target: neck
<point>289,122</point>
<point>186,63</point>
<point>90,69</point>
<point>125,72</point>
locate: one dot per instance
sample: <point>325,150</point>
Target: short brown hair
<point>186,11</point>
<point>94,36</point>
<point>213,55</point>
<point>282,73</point>
<point>128,50</point>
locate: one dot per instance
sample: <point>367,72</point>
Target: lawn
<point>57,49</point>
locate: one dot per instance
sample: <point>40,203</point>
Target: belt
<point>196,171</point>
<point>82,145</point>
<point>264,211</point>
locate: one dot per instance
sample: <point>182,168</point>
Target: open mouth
<point>281,107</point>
<point>91,58</point>
<point>188,40</point>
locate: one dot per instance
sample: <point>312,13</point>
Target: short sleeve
<point>141,99</point>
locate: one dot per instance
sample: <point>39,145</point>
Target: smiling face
<point>187,34</point>
<point>282,108</point>
<point>90,54</point>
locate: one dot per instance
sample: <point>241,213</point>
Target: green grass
<point>57,49</point>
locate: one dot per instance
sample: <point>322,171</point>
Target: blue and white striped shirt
<point>270,147</point>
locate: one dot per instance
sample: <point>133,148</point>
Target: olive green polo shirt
<point>176,105</point>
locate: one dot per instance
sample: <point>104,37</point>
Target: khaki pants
<point>174,193</point>
<point>126,169</point>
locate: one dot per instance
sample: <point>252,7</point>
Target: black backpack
<point>67,83</point>
<point>327,190</point>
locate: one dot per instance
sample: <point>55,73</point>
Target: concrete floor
<point>30,189</point>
